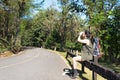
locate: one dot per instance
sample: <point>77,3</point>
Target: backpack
<point>96,47</point>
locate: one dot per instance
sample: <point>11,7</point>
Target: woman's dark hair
<point>89,36</point>
<point>87,33</point>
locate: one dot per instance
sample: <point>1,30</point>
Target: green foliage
<point>98,18</point>
<point>70,44</point>
<point>33,37</point>
<point>12,13</point>
<point>54,40</point>
<point>3,47</point>
<point>73,45</point>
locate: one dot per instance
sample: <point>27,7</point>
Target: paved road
<point>33,64</point>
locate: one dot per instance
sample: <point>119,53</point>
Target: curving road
<point>33,64</point>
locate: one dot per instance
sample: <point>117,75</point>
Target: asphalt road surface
<point>33,64</point>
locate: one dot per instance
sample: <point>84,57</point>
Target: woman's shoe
<point>74,74</point>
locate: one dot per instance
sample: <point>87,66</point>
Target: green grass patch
<point>112,66</point>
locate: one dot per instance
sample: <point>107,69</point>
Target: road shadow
<point>81,75</point>
<point>69,72</point>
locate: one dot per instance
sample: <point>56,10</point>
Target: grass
<point>112,66</point>
<point>82,76</point>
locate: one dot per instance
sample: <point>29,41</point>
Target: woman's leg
<point>75,60</point>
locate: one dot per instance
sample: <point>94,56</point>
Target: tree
<point>112,42</point>
<point>43,24</point>
<point>70,24</point>
<point>12,13</point>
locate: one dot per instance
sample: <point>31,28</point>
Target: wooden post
<point>94,74</point>
<point>83,67</point>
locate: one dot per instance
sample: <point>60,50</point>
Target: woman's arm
<point>86,41</point>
